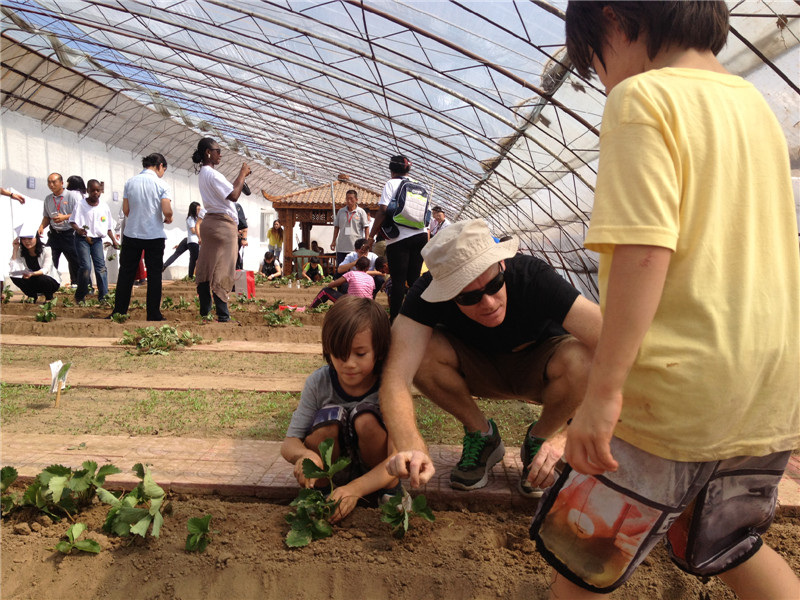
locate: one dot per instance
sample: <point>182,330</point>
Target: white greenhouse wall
<point>31,149</point>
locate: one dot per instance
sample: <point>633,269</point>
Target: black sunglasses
<point>473,297</point>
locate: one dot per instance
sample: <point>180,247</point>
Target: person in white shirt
<point>216,265</point>
<point>91,220</point>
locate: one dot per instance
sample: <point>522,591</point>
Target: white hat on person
<point>26,230</point>
<point>459,254</point>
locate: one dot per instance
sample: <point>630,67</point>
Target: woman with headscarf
<point>216,264</point>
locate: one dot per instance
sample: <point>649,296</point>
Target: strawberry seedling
<point>46,313</point>
<point>398,511</point>
<point>73,533</point>
<point>137,510</point>
<point>313,511</point>
<point>199,534</point>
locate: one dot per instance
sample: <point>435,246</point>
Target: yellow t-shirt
<point>696,162</point>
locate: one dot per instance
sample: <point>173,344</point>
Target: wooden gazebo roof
<point>319,197</point>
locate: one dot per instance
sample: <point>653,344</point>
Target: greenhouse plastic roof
<point>478,94</point>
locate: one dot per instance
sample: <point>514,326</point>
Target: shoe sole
<point>494,458</point>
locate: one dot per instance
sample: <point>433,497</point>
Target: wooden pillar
<point>286,217</point>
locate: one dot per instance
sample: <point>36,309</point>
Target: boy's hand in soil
<point>347,502</point>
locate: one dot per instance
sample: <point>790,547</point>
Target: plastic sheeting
<point>477,94</point>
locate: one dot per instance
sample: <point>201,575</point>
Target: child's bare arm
<point>635,284</point>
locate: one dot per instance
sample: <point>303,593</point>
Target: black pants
<point>205,294</point>
<point>129,258</point>
<point>38,284</point>
<point>405,264</point>
<point>63,242</point>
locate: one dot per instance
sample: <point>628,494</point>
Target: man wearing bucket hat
<point>487,322</point>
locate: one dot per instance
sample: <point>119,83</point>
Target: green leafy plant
<point>149,340</point>
<point>8,475</point>
<point>182,304</point>
<point>73,533</point>
<point>46,313</point>
<point>167,303</point>
<point>199,534</point>
<point>28,300</point>
<point>281,319</point>
<point>311,518</point>
<point>398,511</point>
<point>136,511</point>
<point>120,318</point>
<point>138,304</point>
<point>59,489</point>
<point>322,308</point>
<point>67,302</point>
<point>7,295</point>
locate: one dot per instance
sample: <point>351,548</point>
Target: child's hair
<point>362,264</point>
<point>347,318</point>
<point>702,25</point>
<point>314,260</point>
<point>268,255</point>
<point>193,210</point>
<point>92,181</point>
<point>359,243</point>
<point>380,263</point>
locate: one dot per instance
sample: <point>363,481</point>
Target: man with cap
<point>487,322</point>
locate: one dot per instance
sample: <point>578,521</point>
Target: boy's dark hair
<point>314,260</point>
<point>437,209</point>
<point>399,164</point>
<point>702,25</point>
<point>346,318</point>
<point>380,262</point>
<point>362,264</point>
<point>154,160</point>
<point>269,255</point>
<point>92,181</point>
<point>359,243</point>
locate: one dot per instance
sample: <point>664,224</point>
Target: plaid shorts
<point>595,530</point>
<point>348,440</point>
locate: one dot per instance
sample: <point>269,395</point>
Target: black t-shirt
<point>32,262</point>
<point>538,301</point>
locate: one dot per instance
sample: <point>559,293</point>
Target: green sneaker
<point>530,447</point>
<point>479,455</point>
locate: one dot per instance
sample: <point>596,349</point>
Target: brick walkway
<point>255,468</point>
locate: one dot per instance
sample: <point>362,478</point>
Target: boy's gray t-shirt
<point>322,389</point>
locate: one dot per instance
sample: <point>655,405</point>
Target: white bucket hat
<point>459,254</point>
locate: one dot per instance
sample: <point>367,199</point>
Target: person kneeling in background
<point>359,283</point>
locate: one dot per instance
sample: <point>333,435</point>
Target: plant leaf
<point>141,526</point>
<point>158,520</point>
<point>312,471</point>
<point>199,524</point>
<point>56,486</point>
<point>326,452</point>
<point>64,547</point>
<point>8,475</point>
<point>108,498</point>
<point>297,538</point>
<point>320,528</point>
<point>74,532</point>
<point>88,546</point>
<point>104,472</point>
<point>337,466</point>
